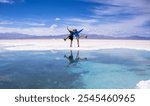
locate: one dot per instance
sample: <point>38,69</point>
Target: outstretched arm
<point>80,30</point>
<point>82,59</point>
<point>69,29</point>
<point>66,57</point>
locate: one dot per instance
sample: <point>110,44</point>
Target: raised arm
<point>69,29</point>
<point>80,30</point>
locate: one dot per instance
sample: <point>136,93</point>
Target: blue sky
<point>51,17</point>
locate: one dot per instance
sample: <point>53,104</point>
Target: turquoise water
<point>108,68</point>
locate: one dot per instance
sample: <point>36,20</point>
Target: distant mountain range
<point>134,37</point>
<point>92,36</point>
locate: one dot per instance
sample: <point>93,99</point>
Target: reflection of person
<point>77,35</point>
<point>73,60</point>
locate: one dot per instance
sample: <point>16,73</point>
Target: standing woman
<point>77,35</point>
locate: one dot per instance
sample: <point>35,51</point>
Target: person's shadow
<point>72,60</point>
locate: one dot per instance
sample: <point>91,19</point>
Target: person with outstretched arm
<point>77,35</point>
<point>70,36</point>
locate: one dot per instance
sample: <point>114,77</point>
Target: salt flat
<point>60,44</point>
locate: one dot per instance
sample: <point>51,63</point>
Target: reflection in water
<point>110,68</point>
<point>39,69</point>
<point>73,60</point>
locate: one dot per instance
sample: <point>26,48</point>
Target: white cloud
<point>127,5</point>
<point>133,3</point>
<point>5,22</point>
<point>10,1</point>
<point>80,21</point>
<point>142,4</point>
<point>34,24</point>
<point>30,31</point>
<point>53,26</point>
<point>57,19</point>
<point>21,23</point>
<point>124,28</point>
<point>7,1</point>
<point>120,17</point>
<point>52,30</point>
<point>112,11</point>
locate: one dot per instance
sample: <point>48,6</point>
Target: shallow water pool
<point>100,69</point>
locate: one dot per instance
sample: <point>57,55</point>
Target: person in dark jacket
<point>70,36</point>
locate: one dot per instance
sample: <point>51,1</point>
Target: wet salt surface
<point>106,68</point>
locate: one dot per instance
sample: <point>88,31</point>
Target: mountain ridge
<point>90,36</point>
